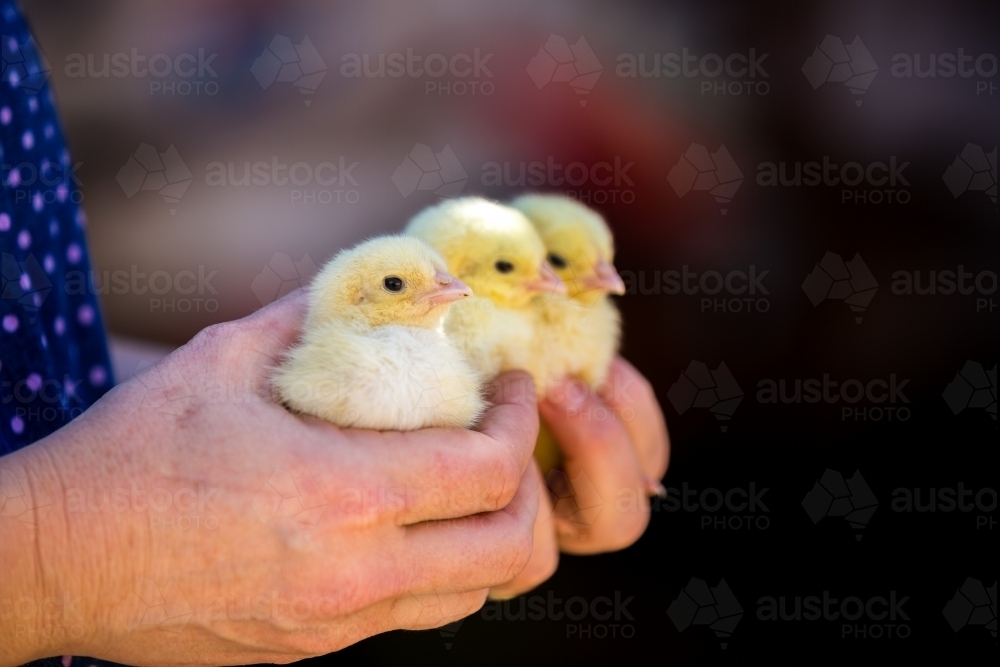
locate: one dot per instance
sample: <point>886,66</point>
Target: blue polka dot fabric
<point>53,352</point>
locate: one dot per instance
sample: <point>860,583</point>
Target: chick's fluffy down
<point>576,340</point>
<point>397,378</point>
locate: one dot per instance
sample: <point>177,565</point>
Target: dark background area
<point>650,122</point>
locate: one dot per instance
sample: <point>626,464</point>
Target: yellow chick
<point>373,352</point>
<point>497,252</point>
<point>582,332</point>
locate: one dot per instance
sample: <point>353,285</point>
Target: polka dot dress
<point>53,354</point>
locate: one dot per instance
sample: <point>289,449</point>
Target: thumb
<point>278,324</point>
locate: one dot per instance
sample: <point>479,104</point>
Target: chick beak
<point>605,278</point>
<point>447,290</point>
<point>546,281</point>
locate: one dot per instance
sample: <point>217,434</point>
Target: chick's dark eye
<point>393,284</point>
<point>557,260</point>
<point>503,266</point>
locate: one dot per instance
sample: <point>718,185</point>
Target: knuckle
<point>216,339</point>
<point>505,478</point>
<point>518,556</point>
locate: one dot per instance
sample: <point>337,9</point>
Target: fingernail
<point>570,395</point>
<point>655,489</point>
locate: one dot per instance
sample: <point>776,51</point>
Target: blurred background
<point>224,150</point>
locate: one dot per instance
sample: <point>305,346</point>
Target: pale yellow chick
<point>373,352</point>
<point>497,252</point>
<point>581,332</point>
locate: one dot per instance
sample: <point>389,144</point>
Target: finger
<point>277,325</point>
<point>474,552</point>
<point>242,353</point>
<point>600,467</point>
<point>513,420</point>
<point>545,552</point>
<point>450,473</point>
<point>632,398</point>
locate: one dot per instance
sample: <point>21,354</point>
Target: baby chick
<point>373,352</point>
<point>582,332</point>
<point>497,252</point>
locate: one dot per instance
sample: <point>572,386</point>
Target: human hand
<point>615,451</point>
<point>193,520</point>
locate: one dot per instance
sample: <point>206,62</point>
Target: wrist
<point>54,548</point>
<point>31,609</point>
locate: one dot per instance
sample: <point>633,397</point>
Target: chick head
<point>492,247</point>
<point>385,280</point>
<point>579,244</point>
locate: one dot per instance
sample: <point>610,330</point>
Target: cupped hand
<point>193,520</point>
<point>615,451</point>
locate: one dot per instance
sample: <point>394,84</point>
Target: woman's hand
<point>615,451</point>
<point>188,518</point>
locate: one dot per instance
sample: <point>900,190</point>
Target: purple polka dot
<point>49,131</point>
<point>5,115</point>
<point>28,140</point>
<point>73,253</point>
<point>4,222</point>
<point>45,342</point>
<point>69,387</point>
<point>59,325</point>
<point>53,228</point>
<point>98,376</point>
<point>61,192</point>
<point>25,282</point>
<point>85,314</point>
<point>17,425</point>
<point>34,382</point>
<point>49,264</point>
<point>10,323</point>
<point>36,202</point>
<point>33,104</point>
<point>14,78</point>
<point>24,239</point>
<point>14,177</point>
